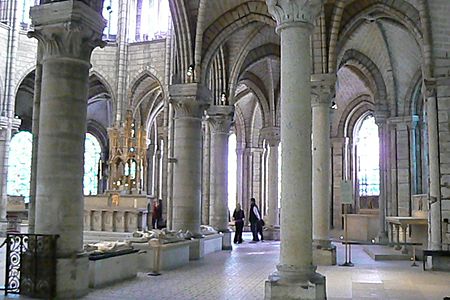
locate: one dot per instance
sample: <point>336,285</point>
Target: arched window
<point>152,19</point>
<point>110,13</point>
<point>232,172</point>
<point>19,170</point>
<point>368,158</point>
<point>91,162</point>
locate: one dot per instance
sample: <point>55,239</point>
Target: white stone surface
<point>112,269</point>
<point>172,256</point>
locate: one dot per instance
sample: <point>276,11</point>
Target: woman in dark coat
<point>238,217</point>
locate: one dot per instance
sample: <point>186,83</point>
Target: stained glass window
<point>91,161</point>
<point>368,158</point>
<point>19,169</point>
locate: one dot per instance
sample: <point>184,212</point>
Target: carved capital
<point>287,12</point>
<point>430,88</point>
<point>68,29</point>
<point>189,100</point>
<point>220,118</point>
<point>322,89</point>
<point>271,135</point>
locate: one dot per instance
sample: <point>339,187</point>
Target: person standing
<point>255,220</point>
<point>156,214</point>
<point>238,217</point>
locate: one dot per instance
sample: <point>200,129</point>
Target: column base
<point>197,249</point>
<point>382,238</point>
<point>314,288</point>
<point>324,256</point>
<point>72,281</point>
<point>226,241</point>
<point>3,228</point>
<point>272,233</point>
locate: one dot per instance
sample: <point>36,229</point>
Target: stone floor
<point>240,274</point>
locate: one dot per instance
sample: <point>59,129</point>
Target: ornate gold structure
<point>127,162</point>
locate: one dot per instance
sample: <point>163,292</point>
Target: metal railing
<point>31,265</point>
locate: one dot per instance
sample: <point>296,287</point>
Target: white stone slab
<point>112,269</point>
<point>172,256</point>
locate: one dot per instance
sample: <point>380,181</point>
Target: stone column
<point>220,119</point>
<point>435,238</point>
<point>296,277</point>
<point>272,137</point>
<point>68,32</point>
<point>383,137</point>
<point>338,174</point>
<point>323,92</point>
<point>206,182</point>
<point>35,130</point>
<point>189,102</point>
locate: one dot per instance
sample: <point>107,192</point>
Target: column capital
<point>294,12</point>
<point>381,117</point>
<point>323,89</point>
<point>405,122</point>
<point>96,5</point>
<point>220,118</point>
<point>67,29</point>
<point>189,100</point>
<point>271,135</point>
<point>6,123</point>
<point>430,87</point>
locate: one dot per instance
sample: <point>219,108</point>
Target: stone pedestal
<point>68,32</point>
<point>276,289</point>
<point>226,241</point>
<point>324,256</point>
<point>189,101</point>
<point>72,278</point>
<point>296,276</point>
<point>272,233</point>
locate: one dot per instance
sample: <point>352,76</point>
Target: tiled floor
<point>240,274</point>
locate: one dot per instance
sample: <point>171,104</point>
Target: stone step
<point>377,253</point>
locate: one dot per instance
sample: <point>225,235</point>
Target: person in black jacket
<point>255,220</point>
<point>238,217</point>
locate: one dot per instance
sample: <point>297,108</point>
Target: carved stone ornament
<point>323,89</point>
<point>272,135</point>
<point>189,100</point>
<point>290,11</point>
<point>430,88</point>
<point>67,30</point>
<point>220,118</point>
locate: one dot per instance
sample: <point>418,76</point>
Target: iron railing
<point>31,265</point>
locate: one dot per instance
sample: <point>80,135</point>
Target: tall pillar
<point>220,118</point>
<point>189,102</point>
<point>68,32</point>
<point>338,145</point>
<point>272,137</point>
<point>383,137</point>
<point>35,130</point>
<point>206,182</point>
<point>435,234</point>
<point>323,91</point>
<point>296,277</point>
